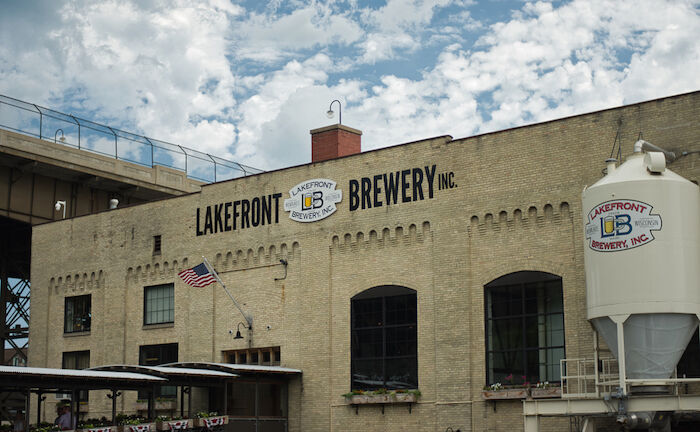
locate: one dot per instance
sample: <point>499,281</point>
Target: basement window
<point>269,356</point>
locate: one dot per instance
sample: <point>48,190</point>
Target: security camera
<point>230,332</point>
<point>57,206</point>
<point>268,327</point>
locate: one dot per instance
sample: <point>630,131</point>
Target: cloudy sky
<point>248,80</point>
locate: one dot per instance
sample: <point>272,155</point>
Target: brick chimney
<point>334,141</point>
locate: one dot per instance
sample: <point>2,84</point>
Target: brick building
<point>442,265</point>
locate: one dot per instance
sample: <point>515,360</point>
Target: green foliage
<point>123,419</point>
<point>382,391</point>
<point>204,414</point>
<point>44,427</point>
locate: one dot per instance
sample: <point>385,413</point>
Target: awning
<point>175,376</point>
<point>16,378</point>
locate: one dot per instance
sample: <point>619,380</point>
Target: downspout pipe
<point>642,145</point>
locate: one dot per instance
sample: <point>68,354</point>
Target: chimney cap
<point>334,127</point>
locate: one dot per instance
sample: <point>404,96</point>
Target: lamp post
<point>330,112</point>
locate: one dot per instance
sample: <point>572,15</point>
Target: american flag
<point>198,276</point>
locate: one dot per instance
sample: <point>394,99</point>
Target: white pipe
<point>642,145</point>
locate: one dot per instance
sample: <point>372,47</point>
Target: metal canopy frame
<point>114,378</point>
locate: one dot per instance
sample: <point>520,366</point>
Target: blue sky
<point>248,80</point>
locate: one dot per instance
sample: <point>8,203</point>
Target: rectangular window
<point>154,355</point>
<point>77,314</point>
<point>156,245</point>
<point>77,360</point>
<point>159,304</point>
<point>269,356</point>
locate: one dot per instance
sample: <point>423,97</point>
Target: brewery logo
<point>312,200</point>
<point>621,224</point>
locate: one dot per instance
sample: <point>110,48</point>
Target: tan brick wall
<point>516,206</point>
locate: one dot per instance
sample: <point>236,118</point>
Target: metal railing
<point>588,378</point>
<point>67,129</point>
<point>582,379</point>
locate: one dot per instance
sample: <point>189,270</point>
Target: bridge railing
<point>67,129</point>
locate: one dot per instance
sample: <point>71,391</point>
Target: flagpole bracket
<point>284,263</point>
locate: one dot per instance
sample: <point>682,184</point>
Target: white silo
<point>642,262</point>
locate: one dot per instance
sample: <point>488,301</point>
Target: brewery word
<point>239,214</point>
<point>414,184</point>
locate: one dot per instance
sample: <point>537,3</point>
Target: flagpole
<point>248,319</point>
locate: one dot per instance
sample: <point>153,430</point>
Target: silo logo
<point>312,200</point>
<point>620,225</point>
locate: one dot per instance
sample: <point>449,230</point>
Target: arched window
<point>384,338</point>
<point>524,328</point>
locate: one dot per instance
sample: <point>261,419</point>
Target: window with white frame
<point>159,304</point>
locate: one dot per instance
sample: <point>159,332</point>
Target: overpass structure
<point>55,165</point>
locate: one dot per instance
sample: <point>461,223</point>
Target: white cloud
<point>249,85</point>
<point>398,25</point>
<point>269,38</point>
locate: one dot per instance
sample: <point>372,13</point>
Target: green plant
<point>382,391</point>
<point>354,393</point>
<point>134,421</point>
<point>44,427</point>
<point>162,418</point>
<point>204,414</point>
<point>165,399</point>
<point>123,419</point>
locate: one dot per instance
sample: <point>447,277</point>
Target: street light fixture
<point>62,138</point>
<point>238,330</point>
<point>59,205</point>
<point>330,112</point>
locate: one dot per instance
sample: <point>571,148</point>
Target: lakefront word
<point>239,214</point>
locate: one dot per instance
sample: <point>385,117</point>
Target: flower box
<point>513,393</point>
<point>388,398</point>
<point>543,393</point>
<point>174,425</point>
<point>210,422</point>
<point>143,427</point>
<point>98,429</point>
